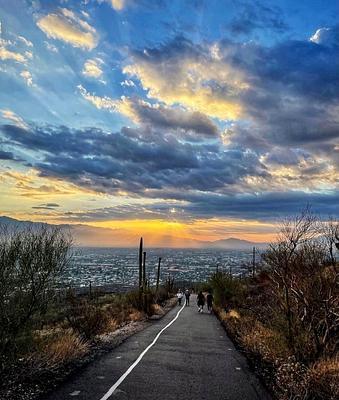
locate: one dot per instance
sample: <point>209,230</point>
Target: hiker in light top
<point>209,300</point>
<point>187,297</point>
<point>180,295</point>
<point>201,302</point>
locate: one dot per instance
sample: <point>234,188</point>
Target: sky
<point>186,119</point>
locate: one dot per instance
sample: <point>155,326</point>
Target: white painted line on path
<point>136,362</point>
<point>75,393</point>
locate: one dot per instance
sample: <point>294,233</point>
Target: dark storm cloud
<point>267,206</point>
<point>306,68</point>
<point>293,87</point>
<point>174,118</point>
<point>264,205</point>
<point>6,155</point>
<point>134,160</point>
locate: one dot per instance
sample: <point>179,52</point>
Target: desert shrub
<point>324,379</point>
<point>30,262</point>
<point>266,343</point>
<point>134,299</point>
<point>86,318</point>
<point>292,380</point>
<point>287,316</point>
<point>162,295</point>
<point>234,323</point>
<point>60,348</point>
<point>157,309</point>
<point>135,315</point>
<point>226,289</point>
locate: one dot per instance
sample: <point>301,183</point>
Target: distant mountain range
<point>85,235</point>
<point>235,243</point>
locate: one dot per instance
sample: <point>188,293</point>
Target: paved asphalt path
<point>193,359</point>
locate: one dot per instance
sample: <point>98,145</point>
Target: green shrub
<point>226,289</point>
<point>86,318</point>
<point>30,262</point>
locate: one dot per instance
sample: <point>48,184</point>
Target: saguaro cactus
<point>144,271</point>
<point>158,275</point>
<point>140,263</point>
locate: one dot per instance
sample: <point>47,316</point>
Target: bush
<point>162,295</point>
<point>226,289</point>
<point>30,262</point>
<point>324,378</point>
<point>266,343</point>
<point>87,319</point>
<point>133,299</point>
<point>60,348</point>
<point>292,380</point>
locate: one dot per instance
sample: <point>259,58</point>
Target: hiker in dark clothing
<point>187,297</point>
<point>209,299</point>
<point>201,302</point>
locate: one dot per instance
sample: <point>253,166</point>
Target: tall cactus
<point>158,275</point>
<point>144,271</point>
<point>140,263</point>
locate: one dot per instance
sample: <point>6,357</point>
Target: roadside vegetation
<point>286,318</point>
<point>46,332</point>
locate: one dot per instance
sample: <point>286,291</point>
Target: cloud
<point>144,113</point>
<point>27,77</point>
<point>51,47</point>
<point>134,160</point>
<point>14,118</point>
<point>6,54</point>
<point>170,117</point>
<point>326,36</point>
<point>6,155</point>
<point>128,83</point>
<point>191,75</point>
<point>195,206</point>
<point>92,68</point>
<point>254,16</point>
<point>67,26</point>
<point>9,48</point>
<point>25,41</point>
<point>289,105</point>
<point>46,206</point>
<point>105,103</point>
<point>285,95</point>
<point>117,4</point>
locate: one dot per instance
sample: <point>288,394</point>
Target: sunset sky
<point>193,119</point>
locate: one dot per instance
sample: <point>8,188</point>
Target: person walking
<point>209,300</point>
<point>180,295</point>
<point>201,302</point>
<point>187,297</point>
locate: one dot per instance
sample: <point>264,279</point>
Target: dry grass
<point>112,325</point>
<point>224,316</point>
<point>62,348</point>
<point>268,344</point>
<point>324,379</point>
<point>157,309</point>
<point>291,380</point>
<point>136,315</point>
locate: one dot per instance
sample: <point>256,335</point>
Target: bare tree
<point>31,259</point>
<point>314,290</point>
<point>330,232</point>
<point>304,286</point>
